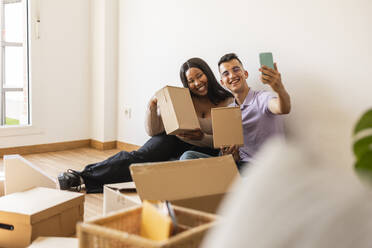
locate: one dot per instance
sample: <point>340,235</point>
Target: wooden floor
<point>55,162</point>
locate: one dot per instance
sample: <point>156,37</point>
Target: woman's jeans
<point>115,169</point>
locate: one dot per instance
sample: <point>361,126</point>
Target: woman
<point>206,93</point>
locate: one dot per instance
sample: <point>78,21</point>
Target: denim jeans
<point>195,155</point>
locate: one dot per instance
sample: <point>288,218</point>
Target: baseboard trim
<point>102,145</point>
<point>51,147</point>
<point>126,146</point>
<point>68,145</point>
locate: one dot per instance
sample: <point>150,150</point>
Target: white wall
<point>323,50</point>
<point>60,74</point>
<point>104,69</point>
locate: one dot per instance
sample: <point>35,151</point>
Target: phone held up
<point>267,59</point>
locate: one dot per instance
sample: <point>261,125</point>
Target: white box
<point>119,196</point>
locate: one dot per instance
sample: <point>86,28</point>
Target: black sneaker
<point>69,180</point>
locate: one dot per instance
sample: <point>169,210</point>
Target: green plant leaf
<point>364,122</point>
<point>362,146</point>
<point>363,166</point>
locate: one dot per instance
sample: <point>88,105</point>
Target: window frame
<point>3,45</point>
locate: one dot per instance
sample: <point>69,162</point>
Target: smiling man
<point>261,110</point>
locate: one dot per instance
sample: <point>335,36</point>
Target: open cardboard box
<point>21,175</point>
<point>199,184</point>
<point>24,216</point>
<point>177,110</point>
<point>119,196</point>
<point>227,127</point>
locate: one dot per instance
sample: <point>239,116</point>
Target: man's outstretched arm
<point>282,104</point>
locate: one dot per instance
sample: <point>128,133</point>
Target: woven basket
<point>121,230</point>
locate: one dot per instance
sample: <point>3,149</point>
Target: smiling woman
<point>197,81</point>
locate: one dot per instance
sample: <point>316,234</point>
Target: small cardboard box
<point>199,183</point>
<point>54,242</point>
<point>21,175</point>
<point>24,216</point>
<point>227,127</point>
<point>122,229</point>
<point>177,110</point>
<point>2,183</point>
<point>119,196</point>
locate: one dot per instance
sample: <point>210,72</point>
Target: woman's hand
<point>233,150</point>
<point>196,134</point>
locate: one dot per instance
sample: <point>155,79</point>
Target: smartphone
<point>267,59</point>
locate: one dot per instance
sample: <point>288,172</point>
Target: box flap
<point>122,187</point>
<point>167,110</point>
<point>36,204</point>
<point>176,180</point>
<point>184,108</point>
<point>21,175</point>
<point>208,203</point>
<point>227,126</point>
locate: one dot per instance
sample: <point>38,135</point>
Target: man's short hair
<point>227,58</point>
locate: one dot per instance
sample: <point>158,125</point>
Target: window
<point>14,85</point>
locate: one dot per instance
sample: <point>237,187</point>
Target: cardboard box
<point>227,127</point>
<point>54,242</point>
<point>21,175</point>
<point>177,110</point>
<point>24,216</point>
<point>199,184</point>
<point>2,183</point>
<point>122,228</point>
<point>119,196</point>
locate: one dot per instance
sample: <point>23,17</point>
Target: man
<point>261,110</point>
